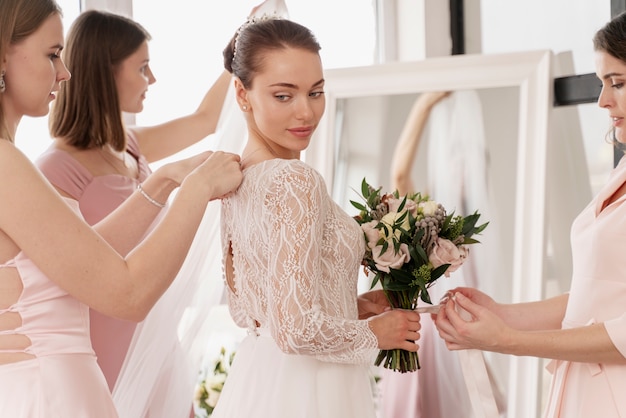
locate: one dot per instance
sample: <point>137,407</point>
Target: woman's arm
<point>161,141</point>
<point>127,225</point>
<point>528,316</point>
<point>487,331</point>
<point>79,260</point>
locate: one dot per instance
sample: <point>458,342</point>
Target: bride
<point>291,255</point>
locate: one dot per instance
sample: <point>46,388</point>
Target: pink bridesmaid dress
<point>597,295</point>
<point>62,378</point>
<point>97,197</point>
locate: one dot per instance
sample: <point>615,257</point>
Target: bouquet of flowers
<point>209,389</point>
<point>411,242</point>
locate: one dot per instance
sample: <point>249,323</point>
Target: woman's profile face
<point>34,70</point>
<point>612,72</point>
<point>287,100</point>
<point>132,78</point>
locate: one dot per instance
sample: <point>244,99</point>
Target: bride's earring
<point>244,108</point>
<point>3,85</point>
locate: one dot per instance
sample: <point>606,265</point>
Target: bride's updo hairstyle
<point>244,55</point>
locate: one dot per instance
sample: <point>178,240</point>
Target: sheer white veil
<point>161,368</point>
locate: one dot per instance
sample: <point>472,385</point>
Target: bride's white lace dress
<point>296,256</point>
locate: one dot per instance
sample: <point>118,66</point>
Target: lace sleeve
<point>301,297</point>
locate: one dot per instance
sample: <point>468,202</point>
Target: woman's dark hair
<point>244,55</point>
<point>612,39</point>
<point>87,111</point>
<point>18,20</point>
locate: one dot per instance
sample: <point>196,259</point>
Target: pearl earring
<point>244,108</point>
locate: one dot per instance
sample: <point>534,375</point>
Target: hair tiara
<point>252,20</point>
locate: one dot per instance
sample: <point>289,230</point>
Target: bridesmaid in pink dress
<point>53,266</point>
<point>95,159</point>
<point>583,331</point>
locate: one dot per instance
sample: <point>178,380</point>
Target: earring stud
<point>244,108</point>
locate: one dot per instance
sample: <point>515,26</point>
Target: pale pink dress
<point>597,295</point>
<point>296,260</point>
<point>63,380</point>
<point>97,197</point>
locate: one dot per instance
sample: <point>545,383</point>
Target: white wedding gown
<point>296,256</point>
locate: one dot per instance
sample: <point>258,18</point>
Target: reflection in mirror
<point>366,110</point>
<point>365,150</point>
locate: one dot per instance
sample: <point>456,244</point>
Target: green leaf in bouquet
<point>358,205</point>
<point>375,280</point>
<point>468,240</point>
<point>373,200</point>
<point>384,227</point>
<point>395,286</point>
<point>401,276</point>
<point>402,217</point>
<point>438,272</point>
<point>417,252</point>
<point>406,234</point>
<point>446,221</point>
<point>480,228</point>
<point>470,227</point>
<point>402,204</point>
<point>424,296</point>
<point>384,247</point>
<point>470,223</point>
<point>365,189</point>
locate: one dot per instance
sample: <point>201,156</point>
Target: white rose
<point>214,396</point>
<point>390,219</point>
<point>215,381</point>
<point>429,207</point>
<point>199,393</point>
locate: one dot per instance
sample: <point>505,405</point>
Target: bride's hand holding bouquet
<point>411,241</point>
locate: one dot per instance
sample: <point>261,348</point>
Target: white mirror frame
<point>531,72</point>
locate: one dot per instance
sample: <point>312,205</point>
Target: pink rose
<point>445,252</point>
<point>390,259</point>
<point>409,206</point>
<point>372,235</point>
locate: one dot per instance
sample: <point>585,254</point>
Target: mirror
<point>515,92</point>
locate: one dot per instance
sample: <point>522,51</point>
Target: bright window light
<point>187,43</point>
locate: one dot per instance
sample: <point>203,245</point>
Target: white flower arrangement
<point>209,389</point>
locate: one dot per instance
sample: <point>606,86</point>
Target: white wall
<point>564,26</point>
